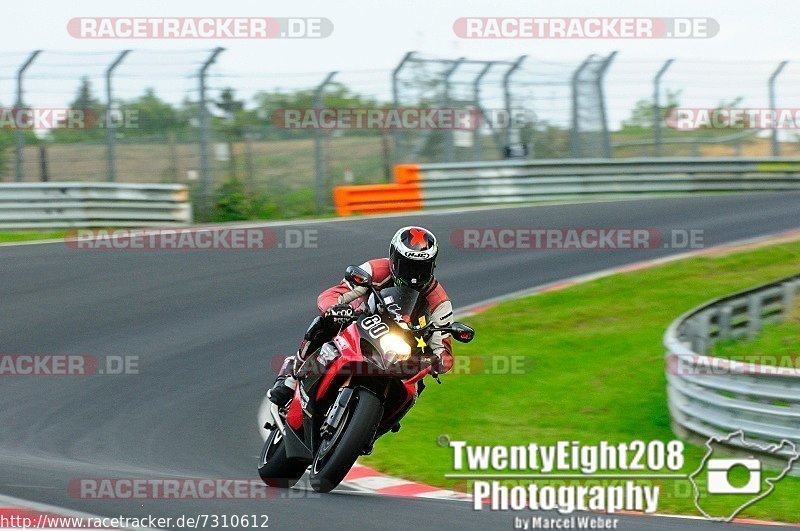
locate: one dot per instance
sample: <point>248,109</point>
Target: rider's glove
<point>340,314</point>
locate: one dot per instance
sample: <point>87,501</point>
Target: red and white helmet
<point>412,253</point>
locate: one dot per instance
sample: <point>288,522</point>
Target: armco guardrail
<point>76,204</point>
<point>500,182</point>
<point>711,396</point>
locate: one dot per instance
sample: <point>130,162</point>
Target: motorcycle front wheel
<point>275,469</point>
<point>339,451</point>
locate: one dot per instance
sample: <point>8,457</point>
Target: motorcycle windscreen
<point>406,305</point>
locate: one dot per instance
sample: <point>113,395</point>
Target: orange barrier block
<point>407,173</point>
<point>377,198</point>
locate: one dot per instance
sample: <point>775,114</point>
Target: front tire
<point>275,469</point>
<point>360,422</point>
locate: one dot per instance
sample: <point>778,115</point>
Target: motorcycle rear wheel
<point>330,467</point>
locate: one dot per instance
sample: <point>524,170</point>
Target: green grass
<point>596,372</point>
<point>10,237</point>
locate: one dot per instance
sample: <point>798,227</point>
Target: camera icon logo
<point>735,483</point>
<point>718,476</point>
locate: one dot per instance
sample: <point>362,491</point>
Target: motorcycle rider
<point>411,262</point>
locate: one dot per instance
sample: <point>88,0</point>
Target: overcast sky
<point>369,38</point>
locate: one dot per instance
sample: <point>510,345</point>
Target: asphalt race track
<point>205,325</point>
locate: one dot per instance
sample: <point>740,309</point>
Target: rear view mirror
<point>357,277</point>
<point>462,332</point>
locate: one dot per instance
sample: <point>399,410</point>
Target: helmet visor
<point>413,273</point>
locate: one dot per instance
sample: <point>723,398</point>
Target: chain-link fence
<point>182,116</point>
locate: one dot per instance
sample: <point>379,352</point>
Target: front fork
<point>277,421</point>
<point>336,412</point>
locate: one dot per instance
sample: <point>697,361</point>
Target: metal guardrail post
<point>110,125</point>
<point>19,134</point>
<point>320,164</point>
<point>658,116</point>
<point>701,326</point>
<point>399,151</point>
<point>724,321</point>
<point>205,169</point>
<point>753,315</point>
<point>788,296</point>
<point>776,148</point>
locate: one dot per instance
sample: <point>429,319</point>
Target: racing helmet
<point>412,253</point>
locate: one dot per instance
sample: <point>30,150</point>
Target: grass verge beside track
<point>14,237</point>
<point>596,372</point>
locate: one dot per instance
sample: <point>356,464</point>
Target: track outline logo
<point>770,481</point>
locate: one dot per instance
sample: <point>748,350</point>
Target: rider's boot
<point>283,389</point>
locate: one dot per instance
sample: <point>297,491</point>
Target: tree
<point>153,116</point>
<point>642,116</point>
<point>93,115</point>
<point>234,122</point>
<point>228,103</point>
<point>336,96</point>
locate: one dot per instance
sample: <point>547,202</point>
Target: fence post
<point>657,115</point>
<point>776,148</point>
<point>449,149</point>
<point>397,133</point>
<point>575,141</point>
<point>110,125</point>
<point>478,118</point>
<point>320,165</point>
<point>205,170</point>
<point>753,315</point>
<point>507,98</point>
<point>601,94</point>
<point>788,298</point>
<point>250,168</point>
<point>701,327</point>
<point>724,318</point>
<point>19,134</point>
<point>44,176</point>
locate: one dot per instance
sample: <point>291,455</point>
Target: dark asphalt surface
<point>205,325</point>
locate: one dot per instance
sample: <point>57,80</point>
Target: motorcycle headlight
<point>396,344</point>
